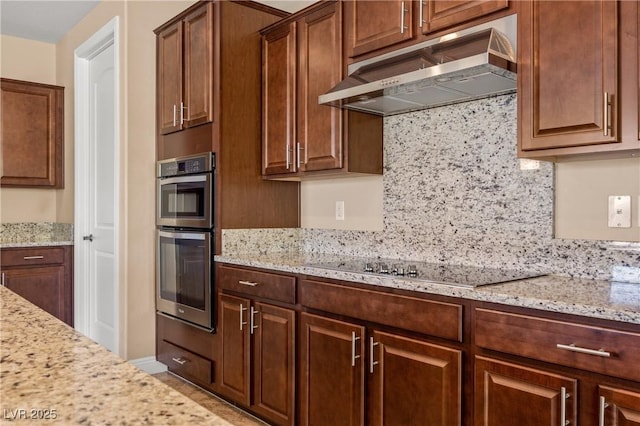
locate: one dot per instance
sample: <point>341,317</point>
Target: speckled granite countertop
<point>591,298</point>
<point>48,370</point>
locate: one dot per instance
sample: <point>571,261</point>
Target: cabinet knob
<point>88,237</point>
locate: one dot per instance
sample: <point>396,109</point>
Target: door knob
<point>88,237</point>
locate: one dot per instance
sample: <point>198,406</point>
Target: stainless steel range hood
<point>466,66</point>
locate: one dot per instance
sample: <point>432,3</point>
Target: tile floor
<point>209,401</point>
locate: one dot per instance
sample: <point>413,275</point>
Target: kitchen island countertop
<point>50,373</point>
<point>591,298</point>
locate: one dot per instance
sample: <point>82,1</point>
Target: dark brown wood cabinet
<point>302,59</point>
<point>257,345</point>
<point>618,407</point>
<point>380,377</point>
<point>374,27</point>
<point>43,276</point>
<point>332,371</point>
<point>507,393</point>
<point>185,55</point>
<point>186,350</point>
<point>413,382</point>
<point>32,140</point>
<point>219,59</point>
<point>577,79</point>
<point>598,384</point>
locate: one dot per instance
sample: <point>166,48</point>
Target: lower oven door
<point>184,279</point>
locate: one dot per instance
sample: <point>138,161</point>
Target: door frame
<point>105,36</point>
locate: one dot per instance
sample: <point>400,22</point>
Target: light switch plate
<point>619,211</point>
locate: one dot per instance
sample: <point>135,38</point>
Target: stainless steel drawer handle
<point>179,361</point>
<point>248,283</point>
<point>3,284</point>
<point>33,257</point>
<point>573,348</point>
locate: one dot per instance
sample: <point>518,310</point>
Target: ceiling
<point>48,21</point>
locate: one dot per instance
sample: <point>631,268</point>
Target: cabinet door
<point>618,407</point>
<point>320,69</point>
<point>507,393</point>
<point>169,46</point>
<point>413,382</point>
<point>440,14</point>
<point>567,74</point>
<point>233,325</point>
<point>377,24</point>
<point>198,74</point>
<point>278,100</point>
<point>32,134</point>
<point>331,371</point>
<point>42,286</point>
<point>274,363</point>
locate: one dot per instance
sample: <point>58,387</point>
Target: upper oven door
<point>185,201</point>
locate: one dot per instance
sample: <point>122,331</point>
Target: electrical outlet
<point>619,211</point>
<point>339,210</point>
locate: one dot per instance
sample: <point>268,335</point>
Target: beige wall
<point>29,60</point>
<point>362,198</point>
<point>581,198</point>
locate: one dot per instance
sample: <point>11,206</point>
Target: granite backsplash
<point>35,232</point>
<point>454,192</point>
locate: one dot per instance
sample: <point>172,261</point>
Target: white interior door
<point>103,278</point>
<point>96,214</point>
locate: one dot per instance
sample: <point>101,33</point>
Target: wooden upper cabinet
<point>439,14</point>
<point>184,75</point>
<point>303,59</point>
<point>198,74</point>
<point>169,77</point>
<point>380,26</point>
<point>568,84</point>
<point>374,25</point>
<point>320,69</point>
<point>278,99</point>
<point>32,134</point>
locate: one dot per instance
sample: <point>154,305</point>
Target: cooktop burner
<point>459,275</point>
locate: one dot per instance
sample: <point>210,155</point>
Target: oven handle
<point>183,179</point>
<point>183,235</point>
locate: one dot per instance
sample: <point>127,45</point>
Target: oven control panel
<point>186,166</point>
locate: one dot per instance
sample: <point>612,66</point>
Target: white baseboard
<point>149,365</point>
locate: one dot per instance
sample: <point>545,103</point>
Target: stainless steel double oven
<point>185,239</point>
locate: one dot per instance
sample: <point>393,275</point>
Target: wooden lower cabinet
<point>331,371</point>
<point>408,381</point>
<point>618,407</point>
<point>43,276</point>
<point>260,338</point>
<point>507,393</point>
<point>413,382</point>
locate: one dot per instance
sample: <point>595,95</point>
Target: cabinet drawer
<point>31,256</point>
<point>186,336</point>
<point>260,284</point>
<point>185,363</point>
<point>430,317</point>
<point>611,352</point>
